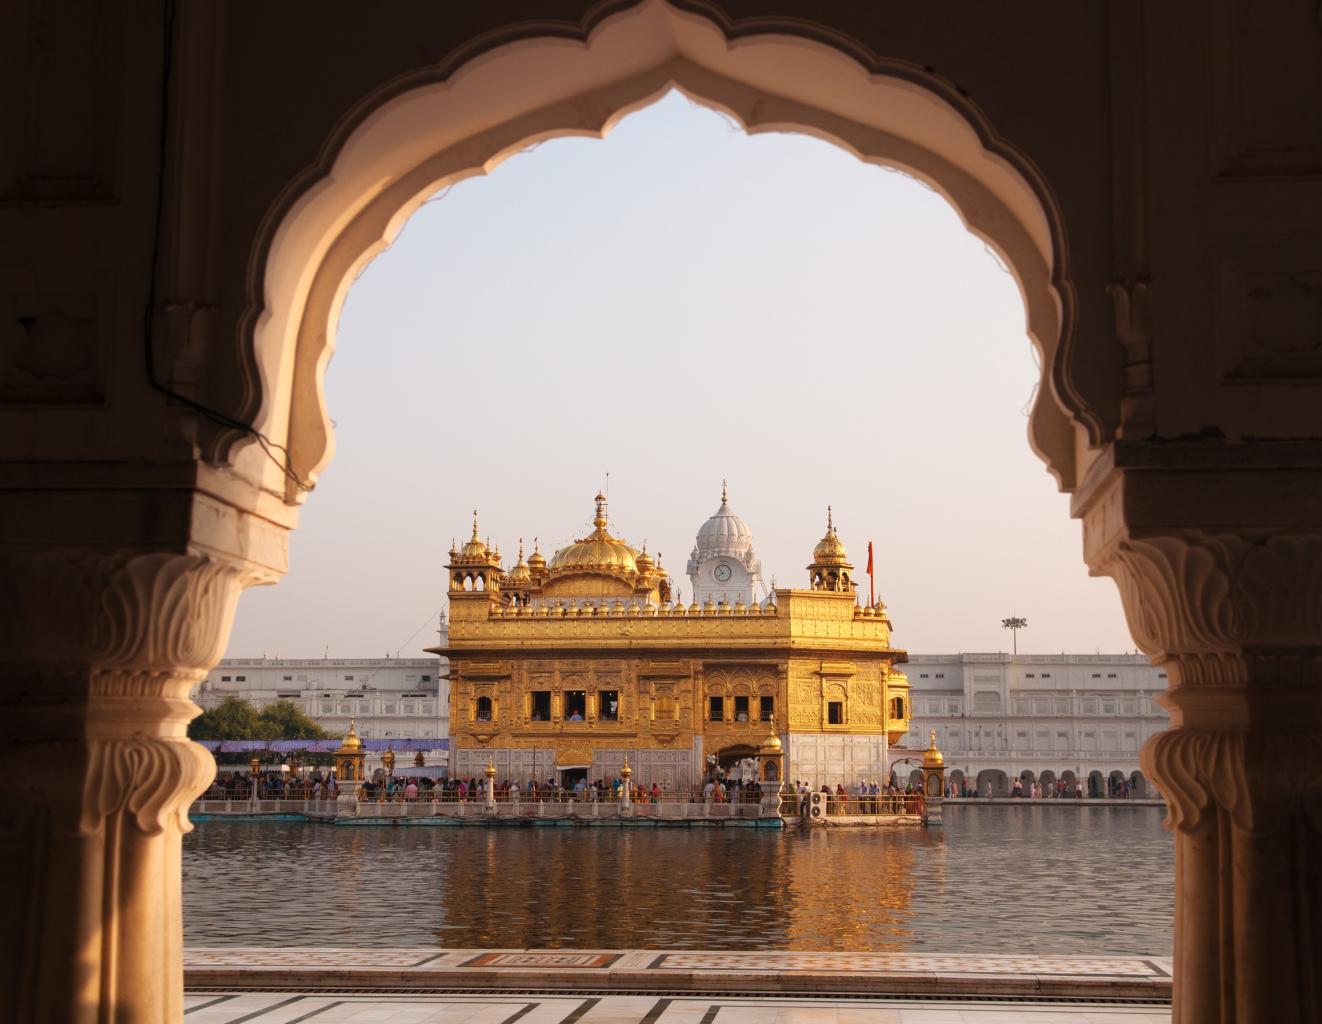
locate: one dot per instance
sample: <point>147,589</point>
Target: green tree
<point>283,721</point>
<point>232,719</point>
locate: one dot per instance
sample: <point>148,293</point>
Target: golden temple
<point>565,667</point>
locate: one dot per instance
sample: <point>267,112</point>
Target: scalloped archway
<point>398,148</point>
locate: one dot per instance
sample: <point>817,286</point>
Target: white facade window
<point>389,709</point>
<point>344,709</point>
<point>348,679</point>
<point>224,679</point>
<point>429,709</point>
<point>986,700</point>
<point>1030,675</point>
<point>940,675</point>
<point>1046,675</point>
<point>364,709</point>
<point>287,679</point>
<point>406,709</point>
<point>328,709</point>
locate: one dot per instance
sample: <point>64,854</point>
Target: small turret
<point>830,568</point>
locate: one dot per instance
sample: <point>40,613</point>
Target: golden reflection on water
<point>1025,879</point>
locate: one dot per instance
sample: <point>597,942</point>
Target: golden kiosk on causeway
<point>563,668</point>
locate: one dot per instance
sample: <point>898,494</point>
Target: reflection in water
<point>994,880</point>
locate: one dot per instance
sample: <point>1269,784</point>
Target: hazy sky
<point>677,304</point>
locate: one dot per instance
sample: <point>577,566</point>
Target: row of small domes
<point>723,533</point>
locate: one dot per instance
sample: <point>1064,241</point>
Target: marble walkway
<point>294,1008</point>
<point>411,986</point>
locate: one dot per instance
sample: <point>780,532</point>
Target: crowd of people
<point>1060,789</point>
<point>862,797</point>
<point>238,785</point>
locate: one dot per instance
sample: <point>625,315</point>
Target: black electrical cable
<point>149,317</point>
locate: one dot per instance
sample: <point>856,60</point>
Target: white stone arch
<point>400,146</point>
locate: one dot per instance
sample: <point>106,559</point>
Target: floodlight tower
<point>1014,624</point>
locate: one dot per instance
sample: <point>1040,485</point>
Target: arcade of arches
<point>197,184</point>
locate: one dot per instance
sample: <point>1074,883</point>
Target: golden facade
<point>570,664</point>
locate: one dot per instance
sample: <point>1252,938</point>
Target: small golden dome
<point>474,550</point>
<point>644,560</point>
<point>829,550</point>
<point>771,745</point>
<point>933,757</point>
<point>536,560</point>
<point>352,744</point>
<point>520,573</point>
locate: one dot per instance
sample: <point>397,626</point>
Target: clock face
<point>722,573</point>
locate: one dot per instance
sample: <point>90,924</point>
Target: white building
<point>388,697</point>
<point>1038,717</point>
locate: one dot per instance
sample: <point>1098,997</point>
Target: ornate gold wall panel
<point>664,667</point>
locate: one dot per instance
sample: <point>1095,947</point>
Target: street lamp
<point>1014,624</point>
<point>255,765</point>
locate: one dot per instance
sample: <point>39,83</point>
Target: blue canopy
<point>400,745</point>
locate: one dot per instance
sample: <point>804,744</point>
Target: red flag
<point>869,558</point>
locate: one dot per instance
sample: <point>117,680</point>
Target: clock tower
<point>723,565</point>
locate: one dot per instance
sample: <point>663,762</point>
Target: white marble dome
<point>723,534</point>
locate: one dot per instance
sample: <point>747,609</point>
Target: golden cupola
<point>351,741</point>
<point>830,568</point>
<point>520,575</point>
<point>537,563</point>
<point>475,566</point>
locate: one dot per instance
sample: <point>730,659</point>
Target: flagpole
<point>872,585</point>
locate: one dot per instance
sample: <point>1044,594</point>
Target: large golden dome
<point>598,552</point>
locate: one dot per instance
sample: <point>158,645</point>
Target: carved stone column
<point>1233,611</point>
<point>97,656</point>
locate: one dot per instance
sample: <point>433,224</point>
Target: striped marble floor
<point>328,1008</point>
